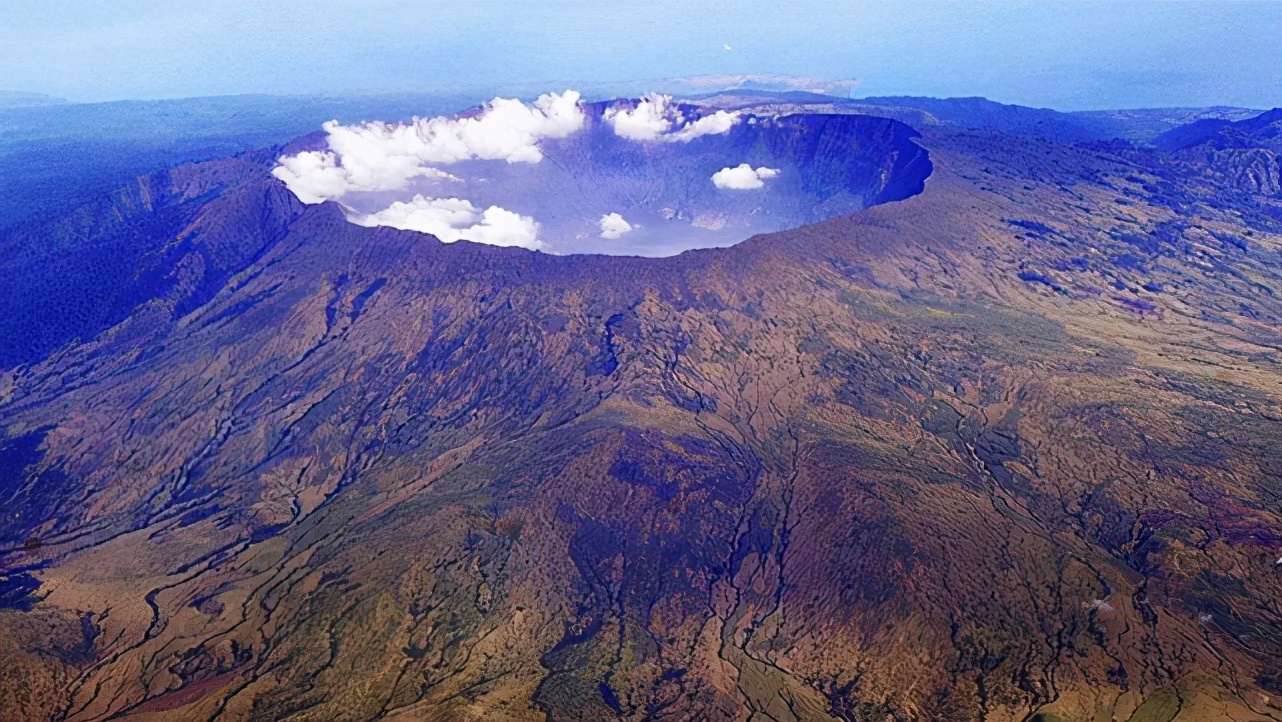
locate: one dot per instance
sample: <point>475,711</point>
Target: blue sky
<point>1065,55</point>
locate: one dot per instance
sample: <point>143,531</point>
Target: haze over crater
<point>649,176</point>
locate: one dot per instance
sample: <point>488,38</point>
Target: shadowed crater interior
<point>825,165</point>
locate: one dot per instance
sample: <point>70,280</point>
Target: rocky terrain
<point>1009,448</point>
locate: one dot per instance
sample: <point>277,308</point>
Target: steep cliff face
<point>1005,449</point>
<point>171,239</point>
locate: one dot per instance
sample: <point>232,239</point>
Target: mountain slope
<point>1261,129</point>
<point>1243,156</point>
<point>1006,449</point>
<point>173,238</point>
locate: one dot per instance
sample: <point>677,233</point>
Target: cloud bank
<point>613,225</point>
<point>656,118</point>
<point>379,156</point>
<point>456,219</point>
<point>743,177</point>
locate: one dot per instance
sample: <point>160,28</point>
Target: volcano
<point>973,421</point>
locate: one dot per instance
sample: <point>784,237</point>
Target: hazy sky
<point>1066,55</point>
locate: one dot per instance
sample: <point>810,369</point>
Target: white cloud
<point>379,156</point>
<point>743,177</point>
<point>726,47</point>
<point>613,225</point>
<point>656,118</point>
<point>315,176</point>
<point>455,219</point>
